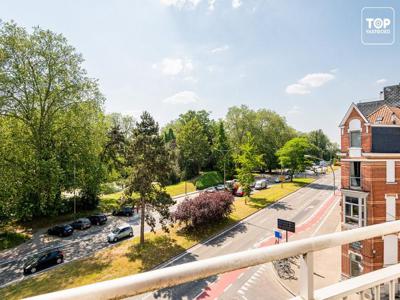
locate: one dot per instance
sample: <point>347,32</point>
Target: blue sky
<point>303,59</point>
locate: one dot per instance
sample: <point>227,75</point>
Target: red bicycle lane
<point>217,288</point>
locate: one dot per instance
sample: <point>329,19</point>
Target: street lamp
<point>330,165</point>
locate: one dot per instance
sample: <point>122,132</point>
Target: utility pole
<point>74,190</point>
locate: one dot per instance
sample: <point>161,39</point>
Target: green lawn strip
<point>10,239</point>
<point>129,257</point>
<point>208,179</point>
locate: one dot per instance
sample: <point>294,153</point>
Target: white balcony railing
<point>171,276</point>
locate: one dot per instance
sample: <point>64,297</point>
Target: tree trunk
<point>142,210</point>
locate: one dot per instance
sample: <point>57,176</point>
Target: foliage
<point>325,148</point>
<point>194,148</point>
<point>149,160</point>
<point>293,155</point>
<point>11,239</point>
<point>204,209</point>
<point>208,179</point>
<point>247,161</point>
<point>269,130</point>
<point>51,122</point>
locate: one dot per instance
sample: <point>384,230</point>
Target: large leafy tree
<point>326,149</point>
<point>46,94</point>
<point>193,146</point>
<point>149,161</point>
<point>247,160</point>
<point>294,154</point>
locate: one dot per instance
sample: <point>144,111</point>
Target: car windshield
<point>116,230</point>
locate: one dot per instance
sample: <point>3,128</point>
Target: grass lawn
<point>10,239</point>
<point>129,257</point>
<point>179,188</point>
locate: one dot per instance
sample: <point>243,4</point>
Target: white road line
<point>244,298</point>
<point>241,275</point>
<point>325,217</point>
<point>241,292</point>
<point>227,288</point>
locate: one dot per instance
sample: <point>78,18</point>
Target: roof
<point>381,111</point>
<point>386,115</point>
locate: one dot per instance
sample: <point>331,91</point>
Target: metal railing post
<point>306,276</point>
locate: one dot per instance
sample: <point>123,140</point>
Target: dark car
<point>124,211</point>
<point>99,219</point>
<point>82,223</point>
<point>61,230</point>
<point>42,261</point>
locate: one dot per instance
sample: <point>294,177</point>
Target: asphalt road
<point>81,244</point>
<point>252,232</point>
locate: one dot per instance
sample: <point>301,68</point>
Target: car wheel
<point>130,234</point>
<point>115,240</point>
<point>33,270</point>
<point>59,260</point>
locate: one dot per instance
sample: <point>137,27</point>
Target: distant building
<point>370,150</point>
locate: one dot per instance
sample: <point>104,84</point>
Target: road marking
<point>225,289</point>
<point>241,292</point>
<point>240,275</point>
<point>326,217</point>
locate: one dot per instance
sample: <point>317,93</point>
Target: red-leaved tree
<point>203,209</point>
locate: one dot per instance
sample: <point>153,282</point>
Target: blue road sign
<point>278,234</point>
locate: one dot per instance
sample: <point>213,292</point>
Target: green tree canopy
<point>149,161</point>
<point>293,155</point>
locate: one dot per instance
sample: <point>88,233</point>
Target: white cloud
<point>190,79</point>
<point>181,3</point>
<point>334,70</point>
<point>211,4</point>
<point>185,97</point>
<point>220,49</point>
<point>236,3</point>
<point>297,89</point>
<point>381,81</point>
<point>308,82</point>
<point>295,110</point>
<point>316,79</point>
<point>174,66</point>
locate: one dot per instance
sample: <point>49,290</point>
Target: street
<point>81,244</point>
<point>306,207</point>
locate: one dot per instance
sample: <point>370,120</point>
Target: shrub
<point>203,209</point>
<point>209,179</point>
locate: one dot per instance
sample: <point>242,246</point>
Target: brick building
<point>370,150</point>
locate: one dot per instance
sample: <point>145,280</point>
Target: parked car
<point>123,211</point>
<point>220,187</point>
<point>61,230</point>
<point>239,192</point>
<point>261,184</point>
<point>82,223</point>
<point>42,261</point>
<point>277,180</point>
<point>210,190</point>
<point>99,219</point>
<point>119,233</point>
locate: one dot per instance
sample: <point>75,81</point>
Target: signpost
<point>278,236</point>
<point>287,226</point>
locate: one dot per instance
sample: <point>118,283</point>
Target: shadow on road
<point>319,186</point>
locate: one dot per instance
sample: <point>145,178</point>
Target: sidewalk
<point>327,263</point>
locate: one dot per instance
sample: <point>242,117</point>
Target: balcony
<point>378,282</point>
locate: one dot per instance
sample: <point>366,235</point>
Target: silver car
<point>119,233</point>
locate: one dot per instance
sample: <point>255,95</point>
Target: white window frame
<point>361,219</point>
<point>360,264</point>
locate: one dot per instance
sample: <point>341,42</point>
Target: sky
<point>303,59</point>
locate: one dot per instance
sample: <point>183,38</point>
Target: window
<point>355,174</point>
<point>354,211</point>
<point>355,139</point>
<point>355,264</point>
<point>390,171</point>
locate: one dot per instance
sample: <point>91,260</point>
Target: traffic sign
<point>278,234</point>
<point>287,225</point>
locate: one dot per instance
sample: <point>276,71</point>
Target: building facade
<point>370,179</point>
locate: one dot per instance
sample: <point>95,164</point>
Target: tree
<point>149,161</point>
<point>222,152</point>
<point>247,161</point>
<point>193,146</point>
<point>293,155</point>
<point>45,92</point>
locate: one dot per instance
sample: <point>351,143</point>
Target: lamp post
<point>330,165</point>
